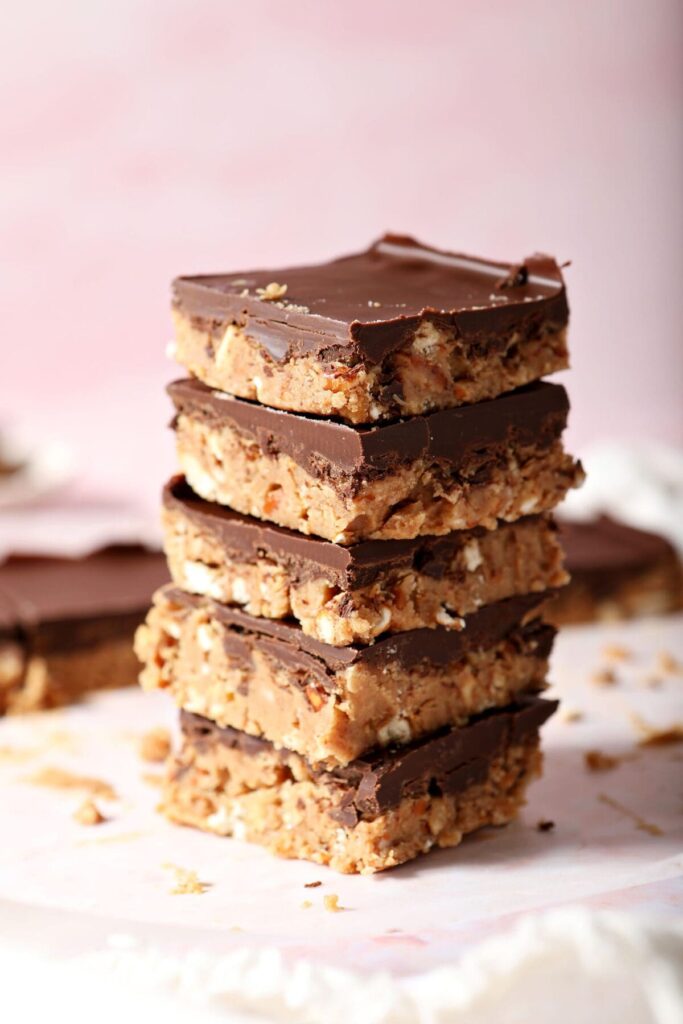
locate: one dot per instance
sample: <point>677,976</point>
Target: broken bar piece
<point>398,330</point>
<point>346,595</point>
<point>329,703</point>
<point>451,470</point>
<point>383,809</point>
<point>67,624</point>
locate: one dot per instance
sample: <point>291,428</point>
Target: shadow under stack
<point>361,544</point>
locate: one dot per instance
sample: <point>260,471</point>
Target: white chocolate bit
<point>382,622</point>
<point>197,577</point>
<point>198,479</point>
<point>396,730</point>
<point>445,618</point>
<point>220,820</point>
<point>240,592</point>
<point>528,506</point>
<point>472,555</point>
<point>204,637</point>
<point>325,626</point>
<point>223,350</point>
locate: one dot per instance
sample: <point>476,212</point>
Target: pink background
<point>144,139</point>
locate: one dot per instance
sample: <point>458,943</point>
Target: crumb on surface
<point>640,823</point>
<point>571,715</point>
<point>312,885</point>
<point>616,652</point>
<point>668,664</point>
<point>604,677</point>
<point>152,779</point>
<point>187,881</point>
<point>652,680</point>
<point>331,902</point>
<point>306,904</point>
<point>155,745</point>
<point>272,292</point>
<point>58,778</point>
<point>89,814</point>
<point>545,825</point>
<point>652,736</point>
<point>596,761</point>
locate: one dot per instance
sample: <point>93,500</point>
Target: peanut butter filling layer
<point>331,711</point>
<point>348,596</point>
<point>435,370</point>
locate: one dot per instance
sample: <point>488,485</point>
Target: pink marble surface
<point>145,139</point>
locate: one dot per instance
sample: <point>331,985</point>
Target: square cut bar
<point>67,624</point>
<point>380,811</point>
<point>451,470</point>
<point>346,595</point>
<point>617,572</point>
<point>399,330</point>
<point>330,704</point>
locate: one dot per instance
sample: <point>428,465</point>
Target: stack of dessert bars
<point>360,548</point>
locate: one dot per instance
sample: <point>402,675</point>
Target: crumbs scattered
<point>615,652</point>
<point>652,681</point>
<point>306,905</point>
<point>89,814</point>
<point>155,745</point>
<point>596,761</point>
<point>669,665</point>
<point>655,737</point>
<point>58,778</point>
<point>16,755</point>
<point>272,292</point>
<point>376,305</point>
<point>331,903</point>
<point>572,715</point>
<point>640,823</point>
<point>604,677</point>
<point>152,779</point>
<point>187,882</point>
<point>312,885</point>
<point>545,826</point>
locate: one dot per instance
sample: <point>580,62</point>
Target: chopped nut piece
<point>187,882</point>
<point>331,902</point>
<point>545,826</point>
<point>272,292</point>
<point>596,761</point>
<point>312,885</point>
<point>155,745</point>
<point>89,814</point>
<point>604,677</point>
<point>614,652</point>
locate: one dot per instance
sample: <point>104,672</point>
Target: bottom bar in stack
<point>381,810</point>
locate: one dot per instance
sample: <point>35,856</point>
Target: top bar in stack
<point>399,330</point>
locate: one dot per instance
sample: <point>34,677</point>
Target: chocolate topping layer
<point>309,557</point>
<point>59,603</point>
<point>533,415</point>
<point>604,545</point>
<point>289,645</point>
<point>447,762</point>
<point>363,307</point>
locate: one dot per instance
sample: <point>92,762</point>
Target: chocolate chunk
<point>534,415</point>
<point>363,307</point>
<point>447,762</point>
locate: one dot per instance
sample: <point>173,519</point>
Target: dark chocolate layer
<point>310,558</point>
<point>447,762</point>
<point>54,604</point>
<point>289,645</point>
<point>534,415</point>
<point>603,553</point>
<point>365,306</point>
